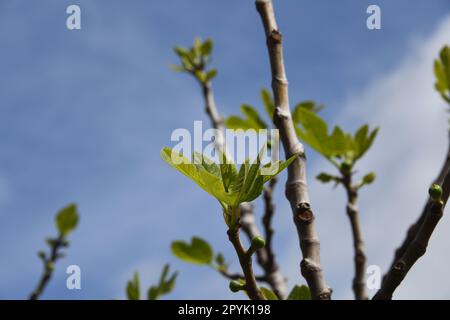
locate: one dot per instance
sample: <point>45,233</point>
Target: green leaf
<point>182,52</point>
<point>269,103</point>
<point>314,132</point>
<point>223,181</point>
<point>164,286</point>
<point>209,181</point>
<point>133,290</point>
<point>198,252</point>
<point>300,293</point>
<point>228,171</point>
<point>442,73</point>
<point>236,123</point>
<point>253,182</point>
<point>211,74</point>
<point>204,163</point>
<point>339,143</point>
<point>220,260</point>
<point>153,293</point>
<point>185,56</point>
<point>325,177</point>
<point>253,117</point>
<point>305,105</point>
<point>252,120</point>
<point>196,50</point>
<point>207,47</point>
<point>363,141</point>
<point>268,294</point>
<point>67,219</point>
<point>272,170</point>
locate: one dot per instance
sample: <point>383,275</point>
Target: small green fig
<point>435,192</point>
<point>369,178</point>
<point>236,286</point>
<point>258,243</point>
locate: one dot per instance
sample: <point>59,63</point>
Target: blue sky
<point>84,114</point>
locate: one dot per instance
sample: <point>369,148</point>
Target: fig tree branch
<point>237,276</point>
<point>418,246</point>
<point>414,228</point>
<point>49,265</point>
<point>265,257</point>
<point>296,186</point>
<point>359,285</point>
<point>245,260</point>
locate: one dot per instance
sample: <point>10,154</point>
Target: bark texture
<point>296,186</point>
<point>245,261</point>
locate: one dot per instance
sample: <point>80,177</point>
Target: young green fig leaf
<point>325,177</point>
<point>67,219</point>
<point>133,288</point>
<point>268,294</point>
<point>165,286</point>
<point>300,293</point>
<point>197,252</point>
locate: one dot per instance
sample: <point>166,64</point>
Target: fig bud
<point>435,192</point>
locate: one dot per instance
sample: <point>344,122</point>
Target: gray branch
<point>267,262</point>
<point>296,187</point>
<point>416,248</point>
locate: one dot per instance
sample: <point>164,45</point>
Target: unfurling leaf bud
<point>258,243</point>
<point>236,286</point>
<point>325,177</point>
<point>435,192</point>
<point>346,167</point>
<point>369,178</point>
<point>220,260</point>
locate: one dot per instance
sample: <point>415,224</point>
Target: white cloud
<point>407,156</point>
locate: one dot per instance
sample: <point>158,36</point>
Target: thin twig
<point>359,285</point>
<point>417,248</point>
<point>272,274</point>
<point>49,265</point>
<point>237,276</point>
<point>265,256</point>
<point>296,186</point>
<point>414,228</point>
<point>245,261</point>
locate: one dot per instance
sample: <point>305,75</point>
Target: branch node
<point>275,37</point>
<point>304,212</point>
